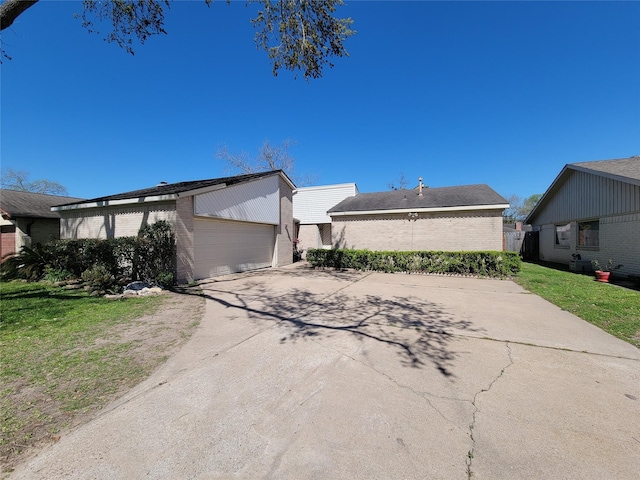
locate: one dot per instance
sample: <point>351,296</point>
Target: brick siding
<point>184,239</point>
<point>285,231</point>
<point>113,222</point>
<point>450,231</point>
<point>618,241</point>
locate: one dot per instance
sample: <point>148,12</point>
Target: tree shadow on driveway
<point>420,331</point>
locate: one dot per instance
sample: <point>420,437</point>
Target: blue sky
<point>503,93</point>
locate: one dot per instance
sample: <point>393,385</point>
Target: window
<point>589,234</point>
<point>563,235</point>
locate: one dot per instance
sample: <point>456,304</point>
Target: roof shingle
<point>621,167</point>
<point>31,205</point>
<point>180,187</point>
<point>442,197</point>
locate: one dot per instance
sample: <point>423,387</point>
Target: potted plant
<point>603,272</point>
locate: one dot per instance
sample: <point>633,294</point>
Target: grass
<point>59,356</point>
<point>614,309</point>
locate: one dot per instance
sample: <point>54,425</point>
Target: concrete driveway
<point>303,374</point>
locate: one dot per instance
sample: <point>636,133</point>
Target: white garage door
<point>223,247</point>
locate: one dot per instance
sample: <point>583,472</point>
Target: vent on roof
<point>162,184</point>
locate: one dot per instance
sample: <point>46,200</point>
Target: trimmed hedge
<point>486,264</point>
<point>151,257</point>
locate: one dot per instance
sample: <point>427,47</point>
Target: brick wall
<point>618,241</point>
<point>184,239</point>
<point>113,222</point>
<point>285,231</point>
<point>7,240</point>
<point>309,236</point>
<point>44,230</point>
<point>450,231</point>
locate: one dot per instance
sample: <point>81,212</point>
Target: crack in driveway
<point>470,454</point>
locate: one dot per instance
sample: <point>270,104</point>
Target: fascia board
<point>113,203</point>
<point>287,180</point>
<point>462,208</point>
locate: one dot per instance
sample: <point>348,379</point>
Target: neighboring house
<point>462,218</point>
<point>27,219</point>
<point>310,205</point>
<point>222,225</point>
<point>592,209</point>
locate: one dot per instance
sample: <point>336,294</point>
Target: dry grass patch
<point>64,355</point>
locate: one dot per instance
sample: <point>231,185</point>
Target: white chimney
<point>420,187</point>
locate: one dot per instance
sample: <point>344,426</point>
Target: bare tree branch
<point>269,157</point>
<point>18,180</point>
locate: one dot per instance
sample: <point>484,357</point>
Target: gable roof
<point>466,197</point>
<point>171,191</point>
<point>625,170</point>
<point>14,203</point>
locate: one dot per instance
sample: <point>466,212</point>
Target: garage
<point>222,247</point>
<point>222,225</point>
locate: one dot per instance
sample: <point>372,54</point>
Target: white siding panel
<point>585,196</point>
<point>257,201</point>
<point>310,204</point>
<point>223,247</point>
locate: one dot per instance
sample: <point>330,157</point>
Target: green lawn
<point>613,308</point>
<point>60,354</point>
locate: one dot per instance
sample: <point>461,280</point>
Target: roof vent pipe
<point>162,184</point>
<point>420,187</point>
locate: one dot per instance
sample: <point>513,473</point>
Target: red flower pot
<point>602,276</point>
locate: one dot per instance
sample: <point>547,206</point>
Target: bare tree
<point>298,35</point>
<point>399,184</point>
<point>269,157</point>
<point>18,180</point>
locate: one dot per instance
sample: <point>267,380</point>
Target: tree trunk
<point>12,9</point>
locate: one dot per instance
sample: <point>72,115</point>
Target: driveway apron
<point>300,373</point>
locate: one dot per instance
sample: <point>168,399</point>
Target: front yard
<point>614,309</point>
<point>65,354</point>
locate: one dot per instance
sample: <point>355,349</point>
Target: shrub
<point>29,264</point>
<point>155,254</point>
<point>54,275</point>
<point>149,257</point>
<point>99,280</point>
<point>489,263</point>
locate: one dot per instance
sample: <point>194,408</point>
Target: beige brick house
<point>27,219</point>
<point>592,209</point>
<point>222,225</point>
<point>462,218</point>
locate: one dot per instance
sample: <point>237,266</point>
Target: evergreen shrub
<point>480,263</point>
